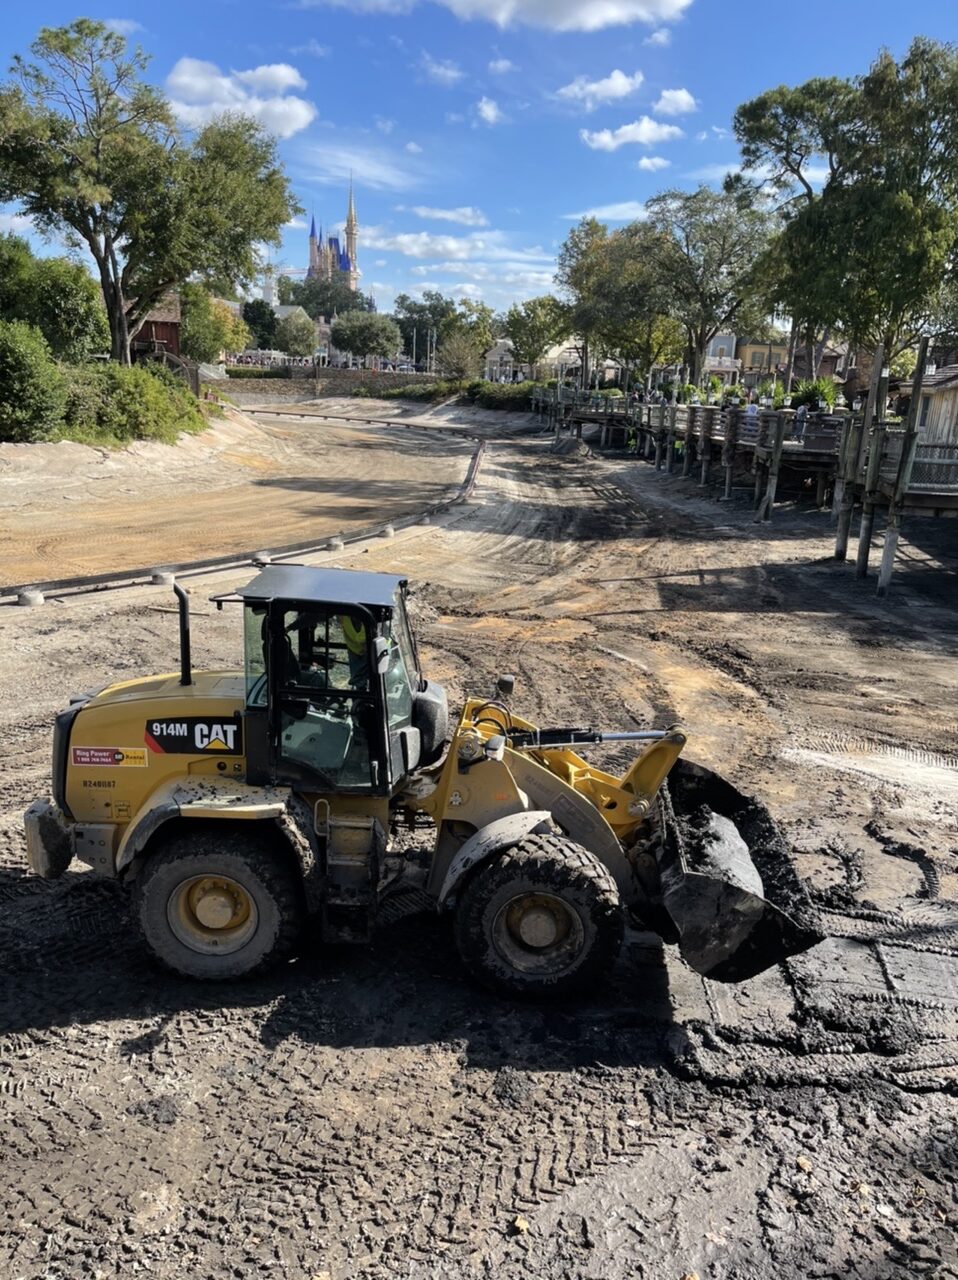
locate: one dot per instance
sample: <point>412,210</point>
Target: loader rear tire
<point>542,920</point>
<point>219,904</point>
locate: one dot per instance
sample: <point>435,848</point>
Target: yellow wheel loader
<point>244,807</point>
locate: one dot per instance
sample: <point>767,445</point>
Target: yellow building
<point>761,360</point>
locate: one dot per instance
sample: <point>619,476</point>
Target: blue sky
<point>478,130</point>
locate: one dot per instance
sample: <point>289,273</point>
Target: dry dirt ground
<point>368,1113</point>
<point>68,510</point>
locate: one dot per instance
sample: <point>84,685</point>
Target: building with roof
<point>329,257</point>
<point>938,410</point>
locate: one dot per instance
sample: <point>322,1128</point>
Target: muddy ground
<point>368,1113</point>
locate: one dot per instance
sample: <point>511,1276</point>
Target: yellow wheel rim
<point>538,933</point>
<point>212,914</point>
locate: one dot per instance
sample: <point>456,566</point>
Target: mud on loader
<point>245,807</point>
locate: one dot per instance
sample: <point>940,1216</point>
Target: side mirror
<point>505,685</point>
<point>381,650</point>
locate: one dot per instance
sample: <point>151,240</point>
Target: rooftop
<point>304,583</point>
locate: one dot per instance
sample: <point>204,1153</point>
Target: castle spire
<point>352,240</point>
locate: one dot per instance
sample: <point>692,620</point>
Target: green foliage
<point>430,392</point>
<point>363,333</point>
<point>809,391</point>
<point>533,327</point>
<point>709,259</point>
<point>514,397</point>
<point>873,252</point>
<point>323,299</point>
<point>417,320</point>
<point>56,296</point>
<point>89,149</point>
<point>208,326</point>
<point>296,335</point>
<point>113,405</point>
<point>459,356</point>
<point>774,389</point>
<point>260,318</point>
<point>32,394</point>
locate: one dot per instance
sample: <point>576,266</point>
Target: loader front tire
<point>542,920</point>
<point>219,904</point>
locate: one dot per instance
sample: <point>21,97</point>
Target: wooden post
<point>875,451</point>
<point>705,437</point>
<point>728,450</point>
<point>820,490</point>
<point>778,444</point>
<point>850,459</point>
<point>670,439</point>
<point>660,437</point>
<point>892,530</point>
<point>909,449</point>
<point>691,414</point>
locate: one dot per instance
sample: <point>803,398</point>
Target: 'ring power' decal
<point>195,735</point>
<point>108,757</point>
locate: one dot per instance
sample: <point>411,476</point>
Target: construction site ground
<point>369,1113</point>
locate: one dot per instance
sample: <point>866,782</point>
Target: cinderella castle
<point>329,259</point>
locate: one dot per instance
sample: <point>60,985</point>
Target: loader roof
<point>324,586</point>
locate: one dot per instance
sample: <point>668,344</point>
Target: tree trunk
<point>585,365</point>
<point>820,350</point>
<point>790,363</point>
<point>809,353</point>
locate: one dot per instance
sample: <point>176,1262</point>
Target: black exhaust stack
<point>186,666</point>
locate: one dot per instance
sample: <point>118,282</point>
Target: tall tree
<point>459,356</point>
<point>208,325</point>
<point>711,245</point>
<point>581,269</point>
<point>362,334</point>
<point>90,150</point>
<point>296,335</point>
<point>533,327</point>
<point>323,299</point>
<point>422,322</point>
<point>260,319</point>
<point>872,250</point>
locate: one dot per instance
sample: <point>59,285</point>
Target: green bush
<point>113,404</point>
<point>428,391</point>
<point>474,389</point>
<point>515,396</point>
<point>252,371</point>
<point>32,394</point>
<point>809,391</point>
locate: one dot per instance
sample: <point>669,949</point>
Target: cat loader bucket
<point>727,881</point>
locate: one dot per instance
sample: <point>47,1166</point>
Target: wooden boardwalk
<point>846,461</point>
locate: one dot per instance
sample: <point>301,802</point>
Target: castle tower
<point>313,252</point>
<point>352,241</point>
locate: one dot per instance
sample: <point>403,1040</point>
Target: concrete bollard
<point>261,558</point>
<point>30,597</point>
<point>161,577</point>
<point>335,544</point>
<point>387,531</point>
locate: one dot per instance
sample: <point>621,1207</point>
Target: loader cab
<point>331,679</point>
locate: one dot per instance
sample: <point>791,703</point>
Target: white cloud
<point>624,211</point>
<point>414,148</point>
<point>124,26</point>
<point>662,38</point>
<point>645,132</point>
<point>371,166</point>
<point>295,224</point>
<point>590,93</point>
<point>817,175</point>
<point>200,90</point>
<point>487,246</point>
<point>651,164</point>
<point>17,223</point>
<point>380,262</point>
<point>313,48</point>
<point>675,102</point>
<point>502,66</point>
<point>277,77</point>
<point>489,111</point>
<point>455,117</point>
<point>554,15</point>
<point>384,125</point>
<point>441,71</point>
<point>466,216</point>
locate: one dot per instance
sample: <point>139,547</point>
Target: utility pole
<point>414,334</point>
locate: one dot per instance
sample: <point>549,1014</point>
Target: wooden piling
<point>854,440</point>
<point>778,445</point>
<point>670,440</point>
